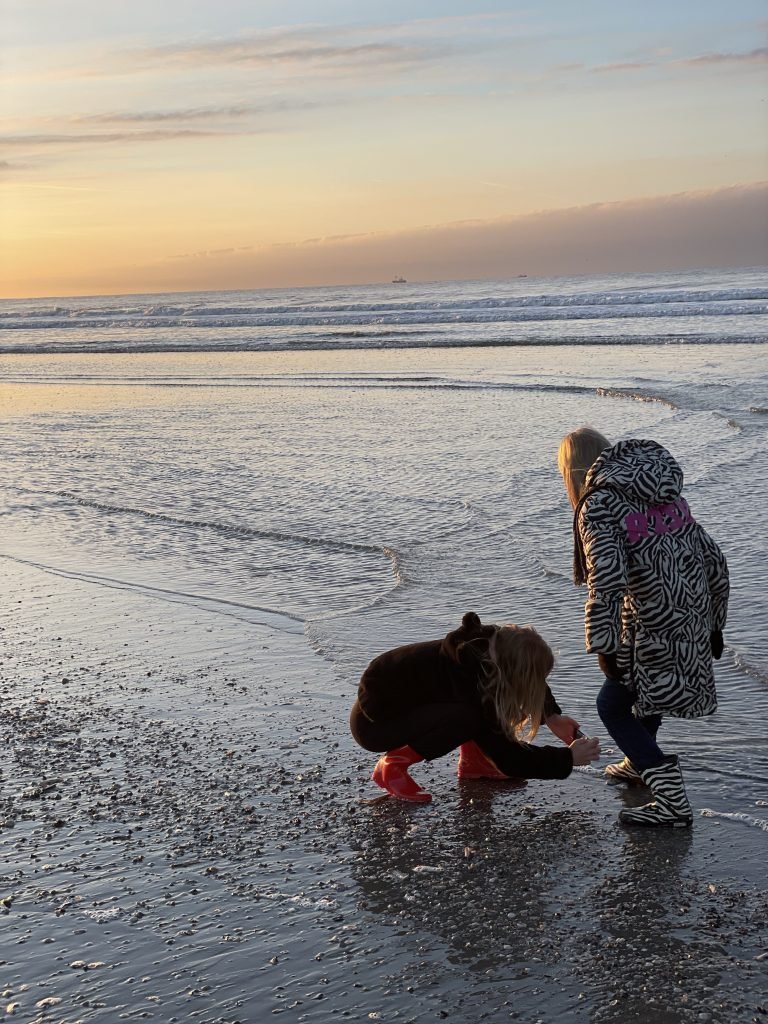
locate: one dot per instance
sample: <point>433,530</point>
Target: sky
<point>161,145</point>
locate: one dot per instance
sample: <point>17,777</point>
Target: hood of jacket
<point>642,470</point>
<point>468,642</point>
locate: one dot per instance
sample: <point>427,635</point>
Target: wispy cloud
<point>747,58</point>
<point>224,112</point>
<point>259,54</point>
<point>206,254</point>
<point>317,50</point>
<point>758,56</point>
<point>635,65</point>
<point>110,138</point>
<point>141,127</point>
<point>39,186</point>
<point>326,239</point>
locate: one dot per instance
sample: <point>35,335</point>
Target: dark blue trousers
<point>636,737</point>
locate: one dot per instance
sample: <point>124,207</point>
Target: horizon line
<point>382,283</point>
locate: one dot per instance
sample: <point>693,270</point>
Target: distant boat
<point>399,280</point>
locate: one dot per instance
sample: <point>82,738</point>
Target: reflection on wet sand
<point>637,959</point>
<point>649,952</point>
<point>509,903</point>
<point>482,884</point>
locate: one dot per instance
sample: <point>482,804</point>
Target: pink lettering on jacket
<point>657,520</point>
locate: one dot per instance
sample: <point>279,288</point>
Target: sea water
<point>718,306</point>
<point>358,467</point>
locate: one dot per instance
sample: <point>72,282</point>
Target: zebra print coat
<point>658,583</point>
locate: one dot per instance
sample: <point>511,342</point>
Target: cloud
<point>205,254</point>
<point>140,127</point>
<point>338,50</point>
<point>726,227</point>
<point>391,47</point>
<point>67,139</point>
<point>758,56</point>
<point>316,49</point>
<point>338,238</point>
<point>636,65</point>
<point>255,55</point>
<point>748,58</point>
<point>225,112</point>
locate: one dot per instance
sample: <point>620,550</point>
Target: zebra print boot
<point>623,771</point>
<point>670,809</point>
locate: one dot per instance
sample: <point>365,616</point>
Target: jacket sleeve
<point>606,560</point>
<point>716,569</point>
<point>551,707</point>
<point>519,759</point>
<point>526,761</point>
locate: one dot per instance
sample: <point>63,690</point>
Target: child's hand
<point>585,750</point>
<point>563,727</point>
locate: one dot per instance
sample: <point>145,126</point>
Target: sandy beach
<point>298,304</point>
<point>188,833</point>
<point>200,554</point>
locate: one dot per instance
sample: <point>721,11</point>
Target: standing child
<point>478,689</point>
<point>656,609</point>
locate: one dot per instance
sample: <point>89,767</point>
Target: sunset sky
<point>161,145</point>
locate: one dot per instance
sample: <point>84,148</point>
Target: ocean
<point>719,306</point>
<point>356,467</point>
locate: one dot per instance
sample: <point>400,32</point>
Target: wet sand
<point>189,834</point>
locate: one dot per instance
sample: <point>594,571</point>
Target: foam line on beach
<point>347,381</point>
<point>243,531</point>
<point>356,609</point>
<point>377,382</point>
<point>635,396</point>
<point>751,669</point>
<point>747,819</point>
<point>372,341</point>
<point>283,621</point>
<point>330,382</point>
<point>373,381</point>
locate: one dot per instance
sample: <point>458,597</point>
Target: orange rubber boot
<point>473,764</point>
<point>391,773</point>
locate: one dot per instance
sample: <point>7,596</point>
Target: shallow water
<point>204,828</point>
<point>365,499</point>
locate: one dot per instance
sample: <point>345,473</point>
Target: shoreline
<point>189,833</point>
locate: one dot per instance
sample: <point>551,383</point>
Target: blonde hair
<point>578,450</point>
<point>515,673</point>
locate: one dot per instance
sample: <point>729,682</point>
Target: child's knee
<point>612,701</point>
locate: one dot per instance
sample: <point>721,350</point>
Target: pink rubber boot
<point>391,773</point>
<point>473,764</point>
